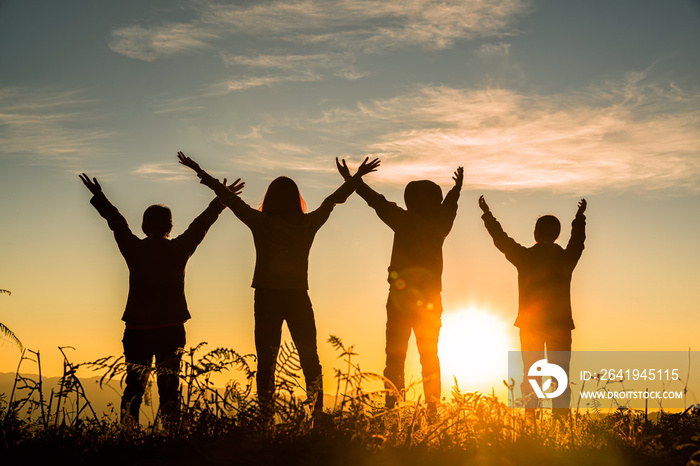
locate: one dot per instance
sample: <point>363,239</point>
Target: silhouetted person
<point>283,234</point>
<point>415,275</point>
<point>156,309</point>
<point>544,292</point>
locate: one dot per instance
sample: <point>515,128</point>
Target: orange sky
<point>543,103</point>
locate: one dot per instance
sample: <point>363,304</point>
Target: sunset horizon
<point>586,111</point>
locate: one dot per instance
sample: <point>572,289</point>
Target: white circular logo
<point>542,368</point>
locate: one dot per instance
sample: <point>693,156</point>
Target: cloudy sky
<point>542,102</point>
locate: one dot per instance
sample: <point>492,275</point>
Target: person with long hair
<point>283,233</point>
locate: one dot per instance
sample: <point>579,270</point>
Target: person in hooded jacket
<point>415,277</point>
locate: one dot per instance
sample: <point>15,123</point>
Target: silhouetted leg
<point>559,352</point>
<point>398,332</point>
<point>532,350</point>
<point>302,327</point>
<point>268,333</point>
<point>427,331</point>
<point>137,355</point>
<point>169,343</point>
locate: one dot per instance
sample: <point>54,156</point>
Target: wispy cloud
<point>630,134</point>
<point>263,155</point>
<point>336,30</point>
<point>270,70</point>
<point>248,82</point>
<point>337,64</point>
<point>169,171</point>
<point>186,105</point>
<point>48,125</point>
<point>166,40</point>
<point>163,171</point>
<point>369,25</point>
<point>494,50</point>
<point>623,135</point>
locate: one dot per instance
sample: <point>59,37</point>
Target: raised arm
<point>115,220</point>
<point>352,182</point>
<point>228,194</point>
<point>363,190</point>
<point>507,245</point>
<point>341,194</point>
<point>578,231</point>
<point>221,189</point>
<point>388,211</point>
<point>197,230</point>
<point>484,206</point>
<point>93,186</point>
<point>453,194</point>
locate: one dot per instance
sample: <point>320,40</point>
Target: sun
<point>474,347</point>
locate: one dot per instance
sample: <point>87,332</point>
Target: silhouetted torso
<point>281,282</point>
<point>156,266</point>
<point>416,255</point>
<point>281,248</point>
<point>544,276</point>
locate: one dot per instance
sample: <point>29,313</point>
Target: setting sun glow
<point>473,347</point>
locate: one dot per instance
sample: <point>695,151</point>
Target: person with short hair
<point>544,292</point>
<point>156,309</point>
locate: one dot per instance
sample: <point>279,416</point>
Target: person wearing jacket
<point>156,308</point>
<point>544,292</point>
<point>283,234</point>
<point>415,277</point>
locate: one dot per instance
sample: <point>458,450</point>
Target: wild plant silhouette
<point>225,424</point>
<point>6,332</point>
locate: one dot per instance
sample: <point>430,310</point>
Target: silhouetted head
<point>547,229</point>
<point>283,199</point>
<point>157,221</point>
<point>422,196</point>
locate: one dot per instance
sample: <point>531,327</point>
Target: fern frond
<point>336,343</point>
<point>288,367</point>
<point>4,331</point>
<point>7,332</point>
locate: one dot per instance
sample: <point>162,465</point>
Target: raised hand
<point>459,177</point>
<point>581,207</point>
<point>93,185</point>
<point>236,187</point>
<point>188,162</point>
<point>343,169</point>
<point>483,205</point>
<point>366,167</point>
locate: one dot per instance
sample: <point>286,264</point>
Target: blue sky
<point>518,89</point>
<point>542,102</point>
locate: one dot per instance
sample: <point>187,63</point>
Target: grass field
<point>225,426</point>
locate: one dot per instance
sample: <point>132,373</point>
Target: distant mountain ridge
<point>99,397</point>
